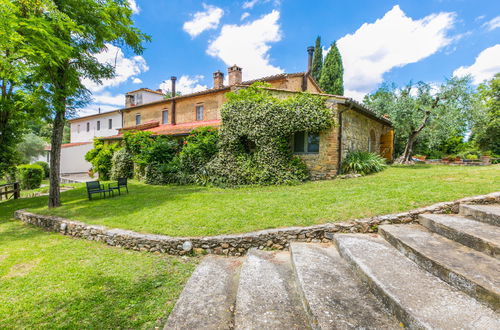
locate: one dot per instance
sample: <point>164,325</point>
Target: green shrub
<point>101,158</point>
<point>45,166</point>
<point>30,176</point>
<point>472,157</point>
<point>199,148</point>
<point>362,162</point>
<point>122,165</point>
<point>254,138</point>
<point>11,174</point>
<point>147,148</point>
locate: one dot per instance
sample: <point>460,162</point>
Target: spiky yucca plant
<point>362,162</point>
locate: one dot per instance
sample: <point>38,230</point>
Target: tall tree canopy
<point>332,73</point>
<point>421,113</point>
<point>486,129</point>
<point>86,28</point>
<point>317,60</point>
<point>25,37</point>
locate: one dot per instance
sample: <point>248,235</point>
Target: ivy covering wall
<point>254,146</point>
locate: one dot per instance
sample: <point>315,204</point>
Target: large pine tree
<point>317,60</point>
<point>332,73</point>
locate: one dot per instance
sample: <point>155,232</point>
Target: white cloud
<point>244,15</point>
<point>203,20</point>
<point>137,80</point>
<point>108,99</point>
<point>185,85</point>
<point>247,45</point>
<point>485,66</point>
<point>391,41</point>
<point>133,5</point>
<point>125,68</point>
<point>492,24</point>
<point>249,4</point>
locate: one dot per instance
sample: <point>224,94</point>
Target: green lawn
<point>196,211</point>
<point>52,281</point>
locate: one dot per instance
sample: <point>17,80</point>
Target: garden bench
<point>121,183</point>
<point>94,187</point>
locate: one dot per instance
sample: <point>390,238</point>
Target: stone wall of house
<point>239,244</point>
<point>323,165</point>
<point>356,131</point>
<point>185,109</point>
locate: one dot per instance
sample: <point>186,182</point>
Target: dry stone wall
<point>239,244</point>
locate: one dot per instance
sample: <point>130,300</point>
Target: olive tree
<point>421,109</point>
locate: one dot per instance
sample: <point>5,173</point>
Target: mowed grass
<point>52,281</point>
<point>197,211</point>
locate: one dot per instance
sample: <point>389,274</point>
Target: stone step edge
<point>448,275</point>
<point>237,244</point>
<point>468,239</point>
<point>388,300</point>
<point>311,318</point>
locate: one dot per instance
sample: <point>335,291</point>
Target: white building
<point>84,129</point>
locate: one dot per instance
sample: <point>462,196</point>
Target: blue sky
<point>380,41</point>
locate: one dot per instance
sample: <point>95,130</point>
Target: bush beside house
<point>362,162</point>
<point>30,176</point>
<point>45,166</point>
<point>101,158</point>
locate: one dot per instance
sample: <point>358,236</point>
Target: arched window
<point>372,142</point>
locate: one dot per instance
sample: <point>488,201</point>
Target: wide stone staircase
<point>443,273</point>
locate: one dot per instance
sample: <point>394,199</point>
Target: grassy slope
<point>195,211</point>
<point>53,281</point>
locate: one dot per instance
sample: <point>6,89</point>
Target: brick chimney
<point>310,52</point>
<point>218,79</point>
<point>234,74</point>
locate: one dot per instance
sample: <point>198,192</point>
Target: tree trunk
<point>55,155</point>
<point>406,158</point>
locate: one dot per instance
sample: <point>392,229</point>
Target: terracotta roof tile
<point>141,127</point>
<point>68,145</point>
<point>169,129</point>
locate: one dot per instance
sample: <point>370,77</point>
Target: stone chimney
<point>218,79</point>
<point>310,52</point>
<point>129,100</point>
<point>234,75</point>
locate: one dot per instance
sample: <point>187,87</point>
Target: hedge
<point>30,176</point>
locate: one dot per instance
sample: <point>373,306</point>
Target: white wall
<point>148,97</point>
<point>79,127</point>
<point>73,158</point>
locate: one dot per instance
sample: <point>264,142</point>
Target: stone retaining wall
<point>239,244</point>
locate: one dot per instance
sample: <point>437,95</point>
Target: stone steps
<point>443,273</point>
<point>484,213</point>
<point>480,236</point>
<point>418,299</point>
<point>207,301</point>
<point>462,267</point>
<point>267,294</point>
<point>333,295</point>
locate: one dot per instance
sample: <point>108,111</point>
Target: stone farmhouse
<point>358,128</point>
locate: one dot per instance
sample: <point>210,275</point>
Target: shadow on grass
<point>76,205</point>
<point>414,167</point>
<point>24,234</point>
<point>107,301</point>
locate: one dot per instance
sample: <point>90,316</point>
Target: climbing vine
<point>254,145</point>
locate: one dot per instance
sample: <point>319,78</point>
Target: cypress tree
<point>317,60</point>
<point>332,73</point>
